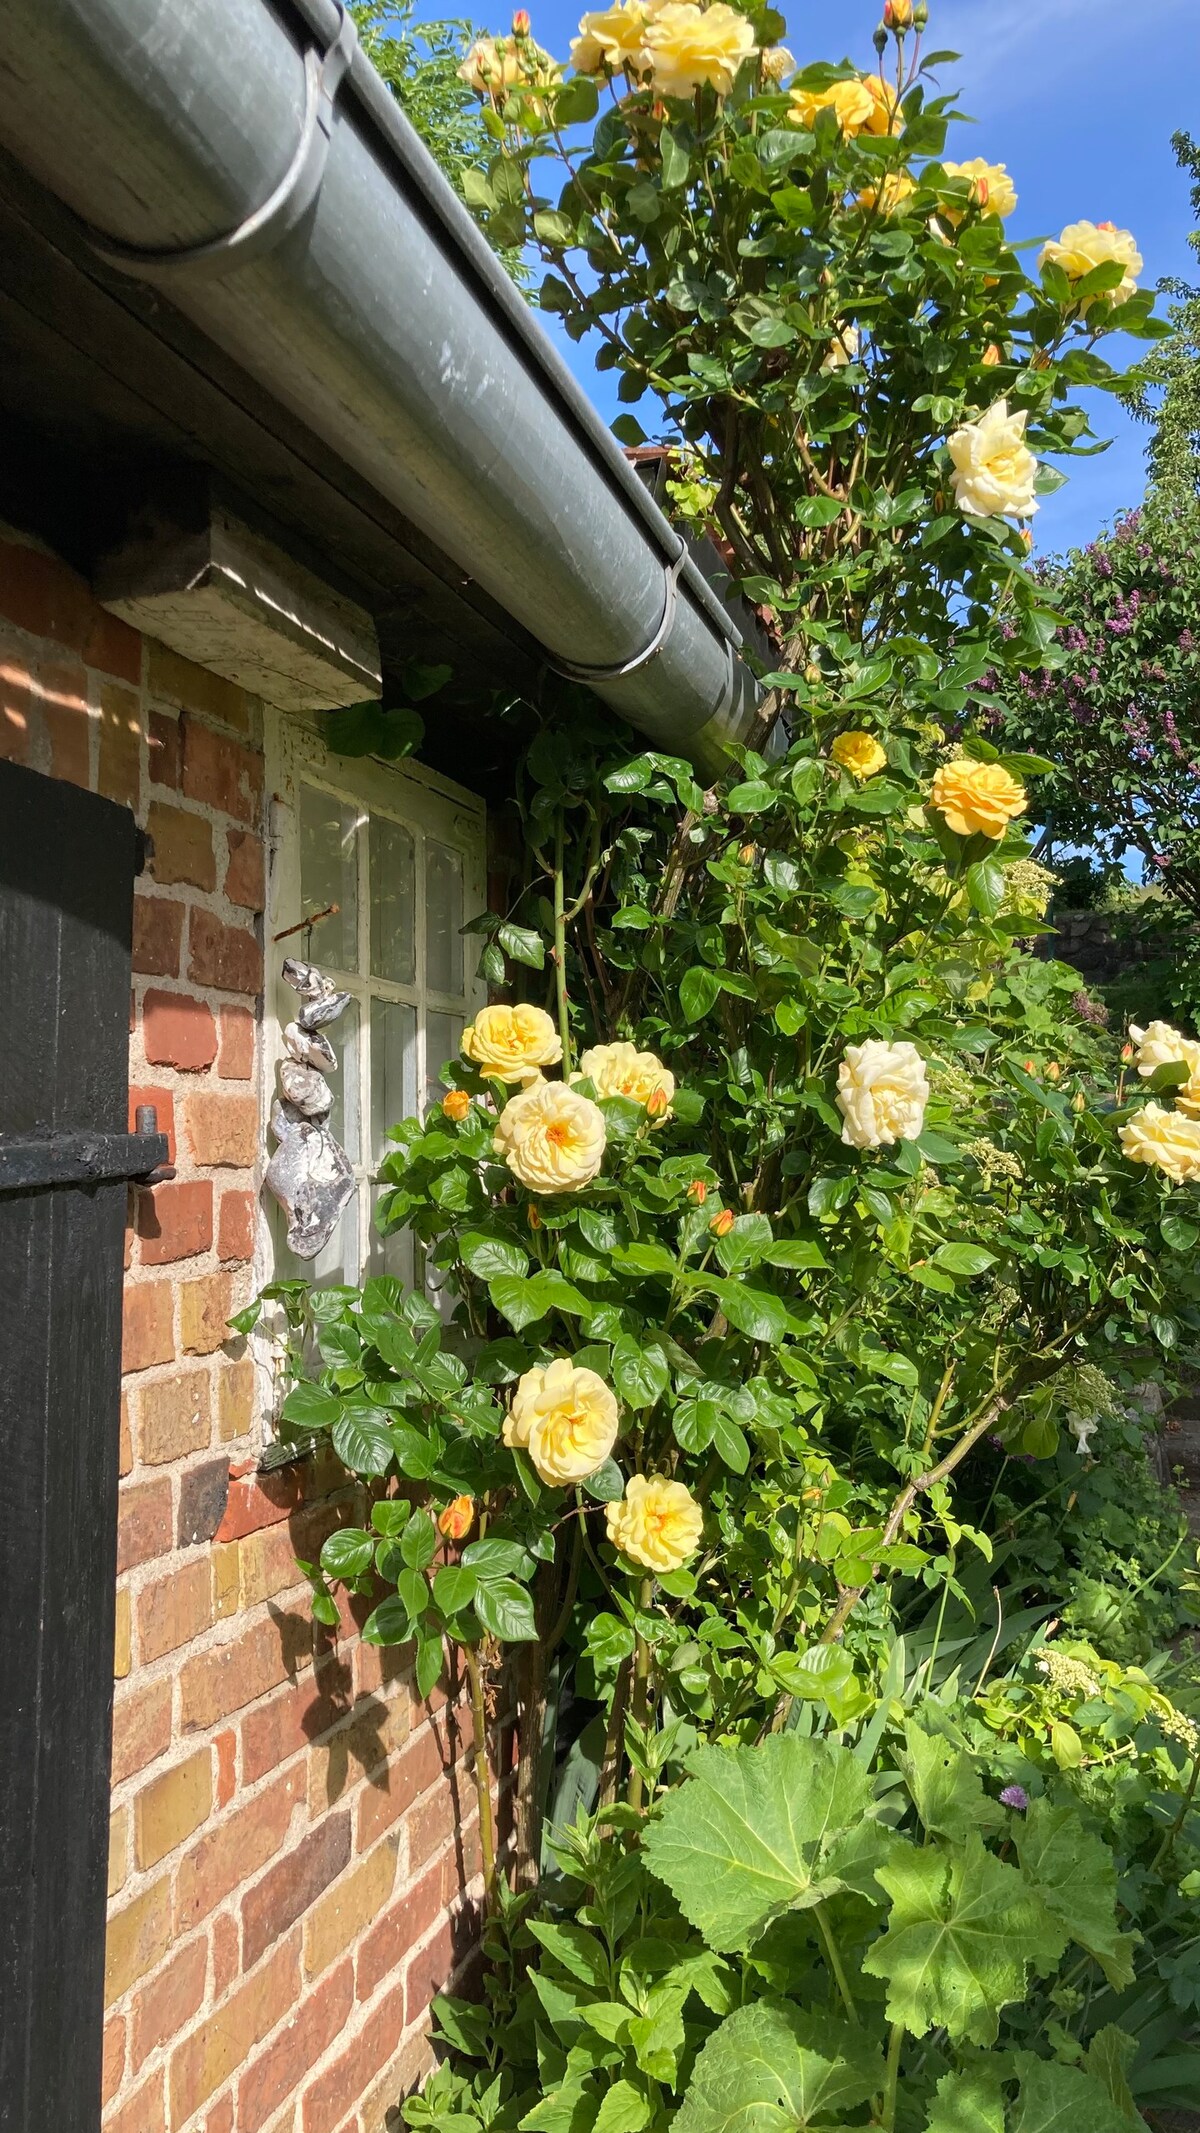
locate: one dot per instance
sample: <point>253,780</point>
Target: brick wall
<point>290,1876</point>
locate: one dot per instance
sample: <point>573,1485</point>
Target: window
<point>400,853</point>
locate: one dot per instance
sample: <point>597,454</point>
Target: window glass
<point>329,875</point>
<point>393,1069</point>
<point>443,918</point>
<point>443,1035</point>
<point>393,902</point>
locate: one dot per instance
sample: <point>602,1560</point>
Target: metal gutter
<point>332,261</point>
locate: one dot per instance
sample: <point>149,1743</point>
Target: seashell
<point>310,1048</point>
<point>326,1009</point>
<point>311,1177</point>
<point>305,1089</point>
<point>306,979</point>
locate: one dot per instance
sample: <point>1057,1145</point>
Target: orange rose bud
<point>1054,1071</point>
<point>458,1518</point>
<point>898,14</point>
<point>1030,1068</point>
<point>1027,539</point>
<point>1126,1054</point>
<point>656,1103</point>
<point>748,854</point>
<point>1079,1102</point>
<point>1106,225</point>
<point>722,1224</point>
<point>521,22</point>
<point>698,1190</point>
<point>456,1105</point>
<point>532,1216</point>
<point>992,355</point>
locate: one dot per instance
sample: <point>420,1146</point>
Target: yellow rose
<point>688,47</point>
<point>898,14</point>
<point>566,1419</point>
<point>886,115</point>
<point>860,754</point>
<point>1167,1140</point>
<point>1160,1045</point>
<point>1084,245</point>
<point>776,63</point>
<point>612,38</point>
<point>977,799</point>
<point>621,1070</point>
<point>841,350</point>
<point>551,1138</point>
<point>882,1093</point>
<point>994,469</point>
<point>512,1043</point>
<point>456,1105</point>
<point>889,196</point>
<point>490,66</point>
<point>658,1523</point>
<point>992,190</point>
<point>851,100</point>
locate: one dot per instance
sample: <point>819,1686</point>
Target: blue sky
<point>1080,99</point>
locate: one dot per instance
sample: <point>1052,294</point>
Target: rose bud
<point>456,1105</point>
<point>1079,1102</point>
<point>698,1191</point>
<point>456,1521</point>
<point>532,1216</point>
<point>722,1224</point>
<point>521,22</point>
<point>992,355</point>
<point>1027,539</point>
<point>748,854</point>
<point>898,14</point>
<point>1126,1054</point>
<point>656,1103</point>
<point>1053,1071</point>
<point>1030,1068</point>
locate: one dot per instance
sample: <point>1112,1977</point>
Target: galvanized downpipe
<point>380,320</point>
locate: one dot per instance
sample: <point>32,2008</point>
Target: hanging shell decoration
<point>310,1173</point>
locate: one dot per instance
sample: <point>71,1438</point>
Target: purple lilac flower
<point>1015,1796</point>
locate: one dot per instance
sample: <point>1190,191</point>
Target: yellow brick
<point>349,1907</point>
<point>376,1729</point>
<point>118,1851</point>
<point>225,1575</point>
<point>121,1649</point>
<point>171,1808</point>
<point>138,1938</point>
<point>235,1399</point>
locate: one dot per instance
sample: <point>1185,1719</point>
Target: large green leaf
<point>363,1442</point>
<point>770,2068</point>
<point>963,1932</point>
<point>968,2103</point>
<point>1062,2099</point>
<point>749,1835</point>
<point>752,1310</point>
<point>1075,1875</point>
<point>506,1609</point>
<point>946,1787</point>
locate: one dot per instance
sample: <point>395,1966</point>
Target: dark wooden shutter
<point>67,866</point>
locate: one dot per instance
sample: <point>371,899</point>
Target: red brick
<point>235,1232</point>
<point>112,646</point>
<point>163,750</point>
<point>223,1129</point>
<point>235,1059</point>
<point>271,2078</point>
<point>169,2000</point>
<point>174,1611</point>
<point>183,847</point>
<point>227,1679</point>
<point>219,772</point>
<point>176,1221</point>
<point>326,2098</point>
<point>225,956</point>
<point>244,875</point>
<point>226,1747</point>
<point>225,1950</point>
<point>205,2060</point>
<point>178,1031</point>
<point>148,1331</point>
<point>62,692</point>
<point>163,1101</point>
<point>43,596</point>
<point>429,1972</point>
<point>397,1931</point>
<point>141,1727</point>
<point>157,936</point>
<point>114,2057</point>
<point>125,1456</point>
<point>287,1889</point>
<point>230,1850</point>
<point>15,708</point>
<point>291,1721</point>
<point>174,1417</point>
<point>258,1500</point>
<point>407,1777</point>
<point>430,1826</point>
<point>120,770</point>
<point>220,2119</point>
<point>143,2113</point>
<point>143,1523</point>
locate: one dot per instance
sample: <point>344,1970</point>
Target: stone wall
<point>290,1879</point>
<point>1099,947</point>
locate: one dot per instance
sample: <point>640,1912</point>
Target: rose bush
<point>735,1320</point>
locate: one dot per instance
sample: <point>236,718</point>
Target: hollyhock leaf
<point>1075,1875</point>
<point>774,2066</point>
<point>962,1933</point>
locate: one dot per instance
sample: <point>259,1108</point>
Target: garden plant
<point>766,1429</point>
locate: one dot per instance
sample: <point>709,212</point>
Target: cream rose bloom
<point>566,1419</point>
<point>1160,1045</point>
<point>621,1070</point>
<point>860,754</point>
<point>657,1523</point>
<point>851,100</point>
<point>688,46</point>
<point>977,799</point>
<point>882,1093</point>
<point>776,65</point>
<point>512,1043</point>
<point>1165,1139</point>
<point>992,189</point>
<point>890,195</point>
<point>841,350</point>
<point>1084,245</point>
<point>612,38</point>
<point>994,469</point>
<point>551,1138</point>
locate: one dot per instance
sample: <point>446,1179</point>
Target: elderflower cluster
<point>1069,1676</point>
<point>1178,1728</point>
<point>1028,888</point>
<point>996,1166</point>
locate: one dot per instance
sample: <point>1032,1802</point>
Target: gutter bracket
<point>592,675</point>
<point>292,198</point>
